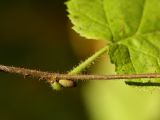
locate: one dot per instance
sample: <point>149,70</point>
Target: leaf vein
<point>106,18</point>
<point>142,16</point>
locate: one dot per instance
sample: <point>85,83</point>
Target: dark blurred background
<point>37,34</point>
<point>34,34</point>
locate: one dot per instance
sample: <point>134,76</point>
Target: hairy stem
<point>46,75</point>
<point>26,72</point>
<point>80,68</point>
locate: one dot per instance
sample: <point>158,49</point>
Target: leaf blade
<point>86,20</point>
<point>133,27</point>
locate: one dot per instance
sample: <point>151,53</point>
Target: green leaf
<point>132,26</point>
<point>89,19</point>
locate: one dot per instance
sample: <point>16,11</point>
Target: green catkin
<point>67,83</point>
<point>56,86</point>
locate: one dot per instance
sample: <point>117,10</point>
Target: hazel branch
<point>47,75</point>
